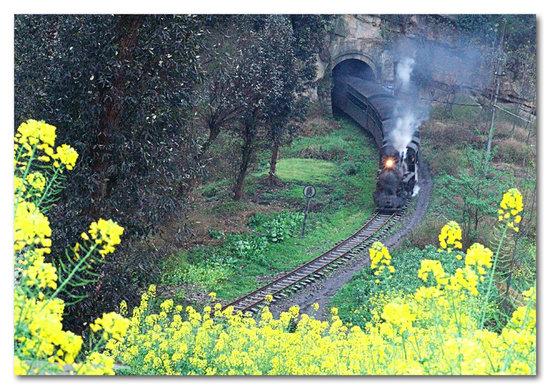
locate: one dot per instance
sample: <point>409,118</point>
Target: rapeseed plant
<point>41,344</point>
<point>434,330</point>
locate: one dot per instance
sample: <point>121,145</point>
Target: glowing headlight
<point>389,163</point>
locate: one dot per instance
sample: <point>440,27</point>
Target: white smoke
<point>404,69</point>
<point>406,123</point>
<point>409,114</point>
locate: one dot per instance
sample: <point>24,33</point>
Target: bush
<point>248,248</point>
<point>513,151</point>
<point>277,228</point>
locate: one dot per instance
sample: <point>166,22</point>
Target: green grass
<point>284,256</point>
<point>341,164</point>
<point>307,171</point>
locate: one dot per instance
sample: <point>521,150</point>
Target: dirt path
<point>322,291</point>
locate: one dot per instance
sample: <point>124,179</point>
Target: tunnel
<point>353,67</point>
<point>348,67</point>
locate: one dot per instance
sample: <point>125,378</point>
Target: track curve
<point>303,275</point>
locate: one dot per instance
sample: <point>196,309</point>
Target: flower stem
<point>491,278</point>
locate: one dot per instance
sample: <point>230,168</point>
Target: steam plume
<point>409,114</point>
<point>404,70</point>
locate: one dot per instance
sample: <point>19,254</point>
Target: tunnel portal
<point>353,67</point>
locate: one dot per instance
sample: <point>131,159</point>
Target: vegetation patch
<point>308,171</point>
<point>258,245</point>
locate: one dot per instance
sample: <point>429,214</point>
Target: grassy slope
<point>342,166</point>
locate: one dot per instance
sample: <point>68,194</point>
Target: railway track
<point>346,250</point>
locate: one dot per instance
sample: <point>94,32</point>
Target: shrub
<point>513,151</point>
<point>278,228</point>
<point>246,247</point>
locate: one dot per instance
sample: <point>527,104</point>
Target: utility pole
<point>498,75</point>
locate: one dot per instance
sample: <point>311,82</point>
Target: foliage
<point>121,87</point>
<point>248,248</point>
<point>471,196</point>
<point>106,79</point>
<point>355,301</point>
<point>279,228</point>
<point>438,328</point>
<point>41,345</point>
<point>339,208</point>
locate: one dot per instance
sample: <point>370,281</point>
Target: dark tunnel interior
<point>353,67</point>
<point>349,67</point>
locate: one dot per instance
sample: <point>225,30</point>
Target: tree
<point>218,104</point>
<point>120,89</point>
<point>472,195</point>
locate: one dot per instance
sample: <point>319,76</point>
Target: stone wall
<point>373,40</point>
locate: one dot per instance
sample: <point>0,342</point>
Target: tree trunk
<point>109,121</point>
<point>213,132</point>
<point>246,155</point>
<point>273,162</point>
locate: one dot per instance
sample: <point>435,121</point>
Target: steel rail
<point>317,267</point>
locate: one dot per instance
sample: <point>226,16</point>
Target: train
<point>373,107</point>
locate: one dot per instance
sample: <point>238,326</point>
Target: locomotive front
<point>389,196</point>
<point>397,176</point>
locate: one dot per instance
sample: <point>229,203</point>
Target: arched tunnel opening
<point>353,67</point>
<point>348,67</point>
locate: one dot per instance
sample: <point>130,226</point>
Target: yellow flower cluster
<point>419,333</point>
<point>380,261</point>
<point>65,155</point>
<point>41,344</point>
<point>511,207</point>
<point>31,227</point>
<point>105,233</point>
<point>399,316</point>
<point>480,257</point>
<point>34,132</point>
<point>478,260</point>
<point>450,236</point>
<point>113,325</point>
<point>44,338</point>
<point>41,274</point>
<point>37,181</point>
<point>36,139</point>
<point>464,279</point>
<point>432,266</point>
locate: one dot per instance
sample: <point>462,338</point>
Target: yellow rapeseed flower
<point>450,236</point>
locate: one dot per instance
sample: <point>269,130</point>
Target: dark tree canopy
<point>119,89</point>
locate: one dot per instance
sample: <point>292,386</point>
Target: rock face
<point>445,64</point>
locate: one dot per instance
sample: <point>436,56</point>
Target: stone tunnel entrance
<point>353,67</point>
<point>348,67</point>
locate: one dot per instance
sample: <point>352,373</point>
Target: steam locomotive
<point>373,108</point>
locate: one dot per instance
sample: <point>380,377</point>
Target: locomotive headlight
<point>389,163</point>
